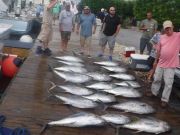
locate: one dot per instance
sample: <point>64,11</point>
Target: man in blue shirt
<point>87,22</point>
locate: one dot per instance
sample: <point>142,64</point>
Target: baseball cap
<point>86,7</point>
<point>167,24</point>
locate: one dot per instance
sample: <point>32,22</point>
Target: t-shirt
<point>56,8</point>
<point>151,26</point>
<point>66,19</point>
<point>86,22</point>
<point>169,47</point>
<point>111,24</point>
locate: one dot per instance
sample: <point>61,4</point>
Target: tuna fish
<point>123,76</point>
<point>125,92</point>
<point>99,76</point>
<point>76,90</point>
<point>69,58</point>
<point>73,77</point>
<point>149,125</point>
<point>107,63</point>
<point>132,84</point>
<point>134,107</point>
<point>115,69</point>
<point>81,119</point>
<point>71,69</point>
<point>116,119</point>
<point>76,101</point>
<point>105,98</point>
<point>100,86</point>
<point>77,64</point>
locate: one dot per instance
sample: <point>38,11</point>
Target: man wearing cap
<point>87,22</point>
<point>149,27</point>
<point>66,26</point>
<point>167,60</point>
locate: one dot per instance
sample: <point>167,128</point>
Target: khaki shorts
<point>45,34</point>
<point>65,35</point>
<point>107,39</point>
<point>85,40</point>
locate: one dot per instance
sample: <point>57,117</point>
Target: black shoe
<point>47,52</point>
<point>164,104</point>
<point>39,50</point>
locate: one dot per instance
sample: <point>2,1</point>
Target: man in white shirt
<point>66,26</point>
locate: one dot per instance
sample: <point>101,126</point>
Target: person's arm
<point>155,27</point>
<point>73,22</point>
<point>51,4</point>
<point>78,24</point>
<point>158,49</point>
<point>94,25</point>
<point>60,21</point>
<point>142,26</point>
<point>117,30</point>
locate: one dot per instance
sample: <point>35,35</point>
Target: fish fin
<point>102,105</point>
<point>43,129</point>
<point>136,132</point>
<point>129,85</point>
<point>53,85</point>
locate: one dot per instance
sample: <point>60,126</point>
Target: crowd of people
<point>163,47</point>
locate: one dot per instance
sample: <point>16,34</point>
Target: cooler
<point>139,62</point>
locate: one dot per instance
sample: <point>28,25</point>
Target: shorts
<point>45,34</point>
<point>107,39</point>
<point>85,40</point>
<point>65,35</point>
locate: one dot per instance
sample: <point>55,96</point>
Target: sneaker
<point>164,104</point>
<point>47,52</point>
<point>89,56</point>
<point>110,58</point>
<point>39,50</point>
<point>100,55</point>
<point>81,53</point>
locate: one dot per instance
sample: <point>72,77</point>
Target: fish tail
<point>102,105</point>
<point>117,127</point>
<point>43,129</point>
<point>50,68</point>
<point>53,85</point>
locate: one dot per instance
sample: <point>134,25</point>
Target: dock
<point>27,103</point>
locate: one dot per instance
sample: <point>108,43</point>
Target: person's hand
<point>73,29</point>
<point>77,31</point>
<point>115,34</point>
<point>94,31</point>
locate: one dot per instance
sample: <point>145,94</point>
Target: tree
<point>162,10</point>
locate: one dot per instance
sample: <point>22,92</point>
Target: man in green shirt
<point>149,27</point>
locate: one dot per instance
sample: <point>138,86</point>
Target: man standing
<point>45,35</point>
<point>149,27</point>
<point>87,22</point>
<point>66,26</point>
<point>110,29</point>
<point>167,54</point>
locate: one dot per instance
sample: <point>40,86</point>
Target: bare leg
<point>82,43</point>
<point>110,51</point>
<point>65,45</point>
